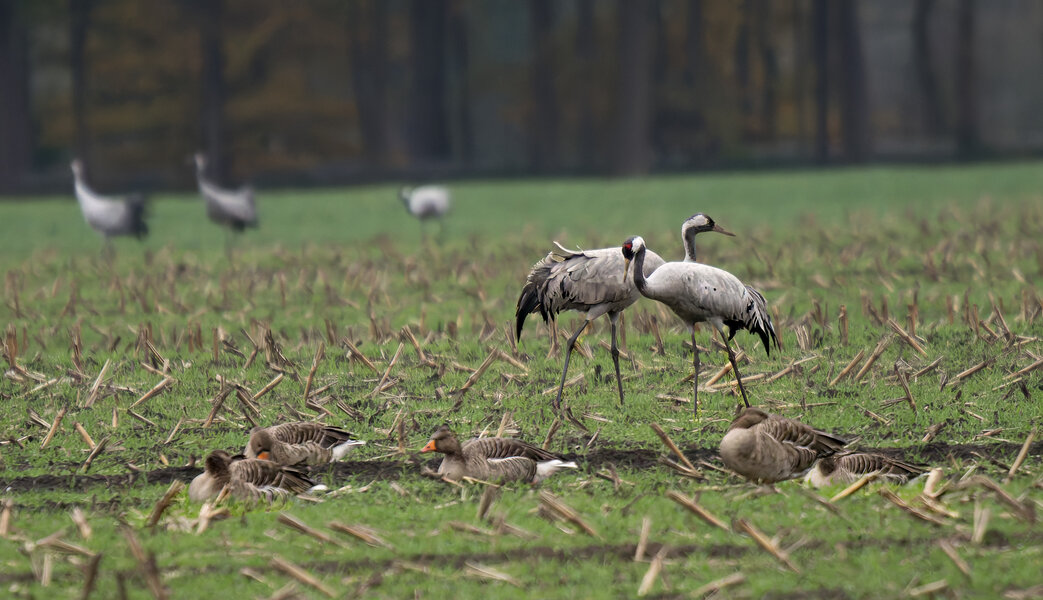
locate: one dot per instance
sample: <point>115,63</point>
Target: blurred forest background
<point>314,92</point>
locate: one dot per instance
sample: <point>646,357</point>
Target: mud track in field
<point>999,453</point>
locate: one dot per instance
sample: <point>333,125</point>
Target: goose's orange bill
<point>430,447</point>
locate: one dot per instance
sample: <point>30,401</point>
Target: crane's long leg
<point>613,317</point>
<point>735,368</point>
<point>568,355</point>
<point>695,378</point>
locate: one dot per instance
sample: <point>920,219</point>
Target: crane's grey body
<point>586,281</point>
<point>851,466</point>
<point>109,216</point>
<point>767,448</point>
<point>700,293</point>
<point>493,459</point>
<point>426,201</point>
<point>231,208</point>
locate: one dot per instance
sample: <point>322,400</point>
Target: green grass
<point>350,262</point>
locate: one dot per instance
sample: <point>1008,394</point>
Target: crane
<point>586,281</point>
<point>426,201</point>
<point>109,216</point>
<point>234,209</point>
<point>700,293</point>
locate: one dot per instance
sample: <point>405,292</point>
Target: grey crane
<point>700,293</point>
<point>766,448</point>
<point>109,216</point>
<point>493,459</point>
<point>234,209</point>
<point>586,281</point>
<point>426,201</point>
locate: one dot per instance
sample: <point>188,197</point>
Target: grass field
<point>948,259</point>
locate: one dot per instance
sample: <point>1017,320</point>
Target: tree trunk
<point>79,24</point>
<point>460,62</point>
<point>933,119</point>
<point>770,64</point>
<point>693,42</point>
<point>632,153</point>
<point>15,119</point>
<point>428,135</point>
<point>742,67</point>
<point>367,43</point>
<point>854,88</point>
<point>586,49</point>
<point>213,102</point>
<point>543,125</point>
<point>820,56</point>
<point>968,139</point>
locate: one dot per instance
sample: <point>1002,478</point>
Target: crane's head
<point>699,223</point>
<point>200,159</point>
<point>403,194</point>
<point>77,167</point>
<point>631,247</point>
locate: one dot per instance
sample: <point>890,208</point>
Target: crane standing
<point>234,209</point>
<point>700,293</point>
<point>109,216</point>
<point>586,281</point>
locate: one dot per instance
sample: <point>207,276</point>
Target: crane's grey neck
<point>639,269</point>
<point>689,243</point>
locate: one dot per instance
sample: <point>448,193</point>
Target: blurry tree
<point>632,153</point>
<point>428,135</point>
<point>764,20</point>
<point>211,39</point>
<point>543,121</point>
<point>854,89</point>
<point>820,57</point>
<point>586,53</point>
<point>367,25</point>
<point>923,59</point>
<point>79,24</point>
<point>16,142</point>
<point>968,138</point>
<point>459,60</point>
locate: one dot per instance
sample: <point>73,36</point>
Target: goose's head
<point>442,440</point>
<point>748,418</point>
<point>260,444</point>
<point>217,463</point>
<point>700,223</point>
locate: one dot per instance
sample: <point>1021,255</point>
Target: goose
<point>109,216</point>
<point>585,281</point>
<point>231,208</point>
<point>248,479</point>
<point>700,293</point>
<point>493,459</point>
<point>767,448</point>
<point>426,201</point>
<point>849,467</point>
<point>300,442</point>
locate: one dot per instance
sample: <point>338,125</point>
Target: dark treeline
<point>326,91</point>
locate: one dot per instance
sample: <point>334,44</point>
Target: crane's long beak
<point>720,229</point>
<point>626,267</point>
<point>430,447</point>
